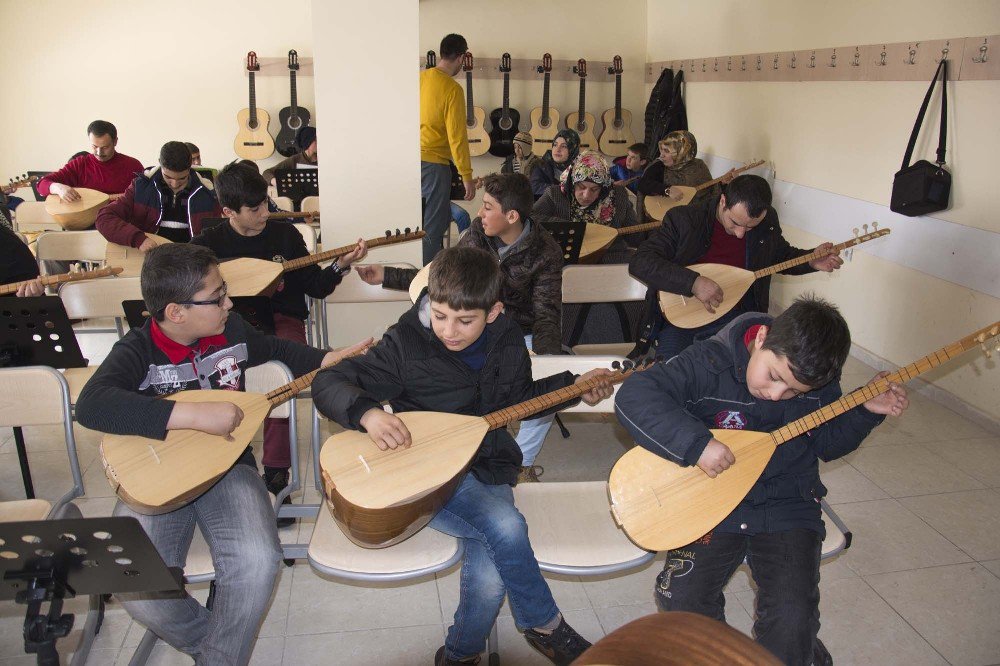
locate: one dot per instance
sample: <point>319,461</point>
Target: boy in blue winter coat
<point>759,373</point>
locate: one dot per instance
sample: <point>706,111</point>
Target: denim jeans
<point>498,560</point>
<point>461,216</point>
<point>532,432</point>
<point>785,567</point>
<point>237,519</point>
<point>435,188</point>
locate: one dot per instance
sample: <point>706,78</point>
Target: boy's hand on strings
<point>602,391</point>
<point>32,288</point>
<point>716,458</point>
<point>386,430</point>
<point>891,403</point>
<point>360,252</point>
<point>708,292</point>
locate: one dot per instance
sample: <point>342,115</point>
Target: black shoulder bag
<point>922,187</point>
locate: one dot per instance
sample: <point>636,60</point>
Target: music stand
<point>36,331</point>
<point>297,184</point>
<point>54,560</point>
<point>256,310</point>
<point>569,235</point>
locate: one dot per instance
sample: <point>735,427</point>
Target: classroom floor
<point>920,585</point>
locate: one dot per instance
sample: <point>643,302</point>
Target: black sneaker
<point>276,480</point>
<point>562,646</point>
<point>441,659</point>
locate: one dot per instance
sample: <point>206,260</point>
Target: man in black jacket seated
<point>738,228</point>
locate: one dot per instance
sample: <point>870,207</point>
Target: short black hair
<point>814,337</point>
<point>239,185</point>
<point>512,191</point>
<point>174,155</point>
<point>192,148</point>
<point>750,190</point>
<point>640,149</point>
<point>465,278</point>
<point>249,164</point>
<point>102,128</point>
<point>173,272</point>
<point>453,45</point>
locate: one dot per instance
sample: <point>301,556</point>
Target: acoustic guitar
<point>154,476</point>
<point>658,206</point>
<point>16,184</point>
<point>49,280</point>
<point>544,119</point>
<point>292,118</point>
<point>253,277</point>
<point>689,312</point>
<point>580,120</point>
<point>505,119</point>
<point>76,215</point>
<point>129,258</point>
<point>253,141</point>
<point>661,505</point>
<point>475,116</point>
<point>380,498</point>
<point>617,134</point>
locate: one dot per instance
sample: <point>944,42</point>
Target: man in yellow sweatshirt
<point>443,139</point>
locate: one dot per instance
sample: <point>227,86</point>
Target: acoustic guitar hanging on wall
<point>253,141</point>
<point>505,119</point>
<point>475,116</point>
<point>580,120</point>
<point>292,118</point>
<point>617,134</point>
<point>544,119</point>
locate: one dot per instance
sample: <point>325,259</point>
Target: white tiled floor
<point>920,585</point>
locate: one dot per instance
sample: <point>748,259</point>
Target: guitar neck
<point>253,103</point>
<point>545,100</point>
<point>320,257</point>
<point>879,386</point>
<point>49,280</point>
<point>639,228</point>
<point>308,215</point>
<point>618,99</point>
<point>295,96</point>
<point>506,95</point>
<point>293,388</point>
<point>469,118</point>
<point>716,181</point>
<point>818,254</point>
<point>583,101</point>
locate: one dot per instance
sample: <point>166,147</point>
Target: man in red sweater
<point>104,169</point>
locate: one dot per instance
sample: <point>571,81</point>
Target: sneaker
<point>530,474</point>
<point>441,659</point>
<point>562,646</point>
<point>276,480</point>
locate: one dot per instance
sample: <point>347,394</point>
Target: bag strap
<point>943,132</point>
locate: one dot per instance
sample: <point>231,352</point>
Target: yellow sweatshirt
<point>442,122</point>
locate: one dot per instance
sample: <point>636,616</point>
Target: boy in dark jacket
<point>531,289</point>
<point>193,341</point>
<point>249,233</point>
<point>759,373</point>
<point>738,228</point>
<point>455,352</point>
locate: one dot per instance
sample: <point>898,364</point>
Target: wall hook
<point>792,63</point>
<point>982,53</point>
<point>776,60</point>
<point>729,64</point>
<point>758,63</point>
<point>913,53</point>
<point>833,59</point>
<point>812,60</point>
<point>881,62</point>
<point>743,65</point>
<point>857,57</point>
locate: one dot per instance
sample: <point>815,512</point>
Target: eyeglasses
<point>215,301</point>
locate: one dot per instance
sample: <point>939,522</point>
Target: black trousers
<point>785,567</point>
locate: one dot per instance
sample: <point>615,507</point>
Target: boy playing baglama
<point>634,164</point>
<point>456,352</point>
<point>531,287</point>
<point>242,193</point>
<point>759,373</point>
<point>193,341</point>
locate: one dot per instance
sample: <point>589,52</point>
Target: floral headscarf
<point>682,145</point>
<point>589,166</point>
<point>572,142</point>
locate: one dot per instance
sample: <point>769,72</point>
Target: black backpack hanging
<point>922,187</point>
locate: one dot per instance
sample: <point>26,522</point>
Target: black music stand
<point>54,560</point>
<point>35,331</point>
<point>256,310</point>
<point>297,184</point>
<point>569,235</point>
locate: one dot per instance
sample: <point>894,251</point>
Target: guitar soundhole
<point>252,124</point>
<point>505,124</point>
<point>581,127</point>
<point>294,122</point>
<point>544,123</point>
<point>468,124</point>
<point>618,124</point>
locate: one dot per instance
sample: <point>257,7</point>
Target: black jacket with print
<point>669,409</point>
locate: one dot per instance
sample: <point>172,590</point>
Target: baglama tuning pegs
<point>406,230</point>
<point>628,364</point>
<point>616,365</point>
<point>388,234</point>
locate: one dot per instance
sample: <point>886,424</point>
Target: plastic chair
<point>97,299</point>
<point>601,283</point>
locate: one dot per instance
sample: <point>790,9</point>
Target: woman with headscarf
<point>678,165</point>
<point>587,193</point>
<point>565,148</point>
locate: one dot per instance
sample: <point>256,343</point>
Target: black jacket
<point>685,236</point>
<point>670,407</point>
<point>16,261</point>
<point>412,370</point>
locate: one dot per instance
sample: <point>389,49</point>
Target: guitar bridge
<point>253,143</point>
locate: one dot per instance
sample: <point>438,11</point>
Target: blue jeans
<point>237,518</point>
<point>498,560</point>
<point>461,217</point>
<point>435,188</point>
<point>531,435</point>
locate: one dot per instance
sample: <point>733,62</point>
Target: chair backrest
<point>265,378</point>
<point>32,216</point>
<point>72,246</point>
<point>355,290</point>
<point>609,283</point>
<point>91,299</point>
<point>310,205</point>
<point>284,203</point>
<point>308,235</point>
<point>546,365</point>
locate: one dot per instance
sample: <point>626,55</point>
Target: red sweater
<point>111,177</point>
